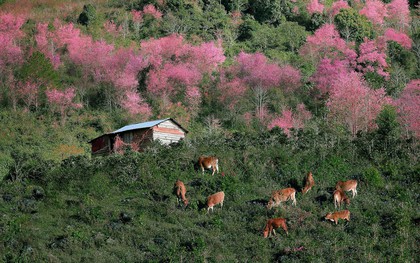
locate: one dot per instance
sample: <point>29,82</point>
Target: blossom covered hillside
<point>276,90</point>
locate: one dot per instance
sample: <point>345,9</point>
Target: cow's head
<point>265,232</point>
<point>329,217</point>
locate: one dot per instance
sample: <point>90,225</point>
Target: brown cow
<point>344,214</point>
<point>273,224</point>
<point>215,199</point>
<point>349,185</point>
<point>209,162</point>
<point>282,195</point>
<point>180,192</point>
<point>340,197</point>
<point>309,183</point>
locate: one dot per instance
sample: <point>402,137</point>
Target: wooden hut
<point>139,135</point>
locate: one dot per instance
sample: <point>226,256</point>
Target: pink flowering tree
<point>152,11</point>
<point>314,6</point>
<point>353,104</point>
<point>336,7</point>
<point>112,28</point>
<point>399,14</point>
<point>11,54</point>
<point>372,57</point>
<point>375,11</point>
<point>259,76</point>
<point>249,80</point>
<point>28,93</point>
<point>288,119</point>
<point>232,92</point>
<point>176,71</point>
<point>327,72</point>
<point>10,32</point>
<point>115,69</point>
<point>45,44</point>
<point>408,105</point>
<point>136,106</point>
<point>401,38</point>
<point>145,19</point>
<point>289,78</point>
<point>326,43</point>
<point>62,102</point>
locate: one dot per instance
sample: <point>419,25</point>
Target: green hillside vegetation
<point>122,207</point>
<point>60,204</point>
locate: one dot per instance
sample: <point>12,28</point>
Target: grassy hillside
<point>253,86</point>
<point>122,208</point>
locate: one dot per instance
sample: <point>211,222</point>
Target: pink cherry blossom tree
<point>401,38</point>
<point>28,93</point>
<point>248,82</point>
<point>353,104</point>
<point>10,32</point>
<point>399,14</point>
<point>136,106</point>
<point>152,11</point>
<point>62,102</point>
<point>115,68</point>
<point>314,7</point>
<point>326,43</point>
<point>232,91</point>
<point>408,105</point>
<point>259,75</point>
<point>327,72</point>
<point>336,7</point>
<point>289,78</point>
<point>176,70</point>
<point>372,57</point>
<point>45,44</point>
<point>375,11</point>
<point>289,120</point>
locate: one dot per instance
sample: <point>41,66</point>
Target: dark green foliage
<point>275,42</point>
<point>88,15</point>
<point>353,26</point>
<point>39,68</point>
<point>372,177</point>
<point>403,58</point>
<point>269,11</point>
<point>375,80</point>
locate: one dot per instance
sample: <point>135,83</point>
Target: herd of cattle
<point>283,195</point>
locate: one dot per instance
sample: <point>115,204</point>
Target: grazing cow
<point>215,199</point>
<point>180,192</point>
<point>349,185</point>
<point>309,183</point>
<point>344,214</point>
<point>273,224</point>
<point>282,195</point>
<point>340,197</point>
<point>209,162</point>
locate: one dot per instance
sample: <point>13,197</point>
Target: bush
<point>88,15</point>
<point>373,177</point>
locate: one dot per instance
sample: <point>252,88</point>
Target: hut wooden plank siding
<point>167,131</point>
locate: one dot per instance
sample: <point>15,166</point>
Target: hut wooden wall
<point>168,132</point>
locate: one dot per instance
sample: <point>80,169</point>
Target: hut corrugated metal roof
<point>136,126</point>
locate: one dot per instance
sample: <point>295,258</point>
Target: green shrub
<point>88,15</point>
<point>373,177</point>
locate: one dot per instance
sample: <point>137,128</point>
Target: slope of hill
<point>122,207</point>
<point>275,89</point>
